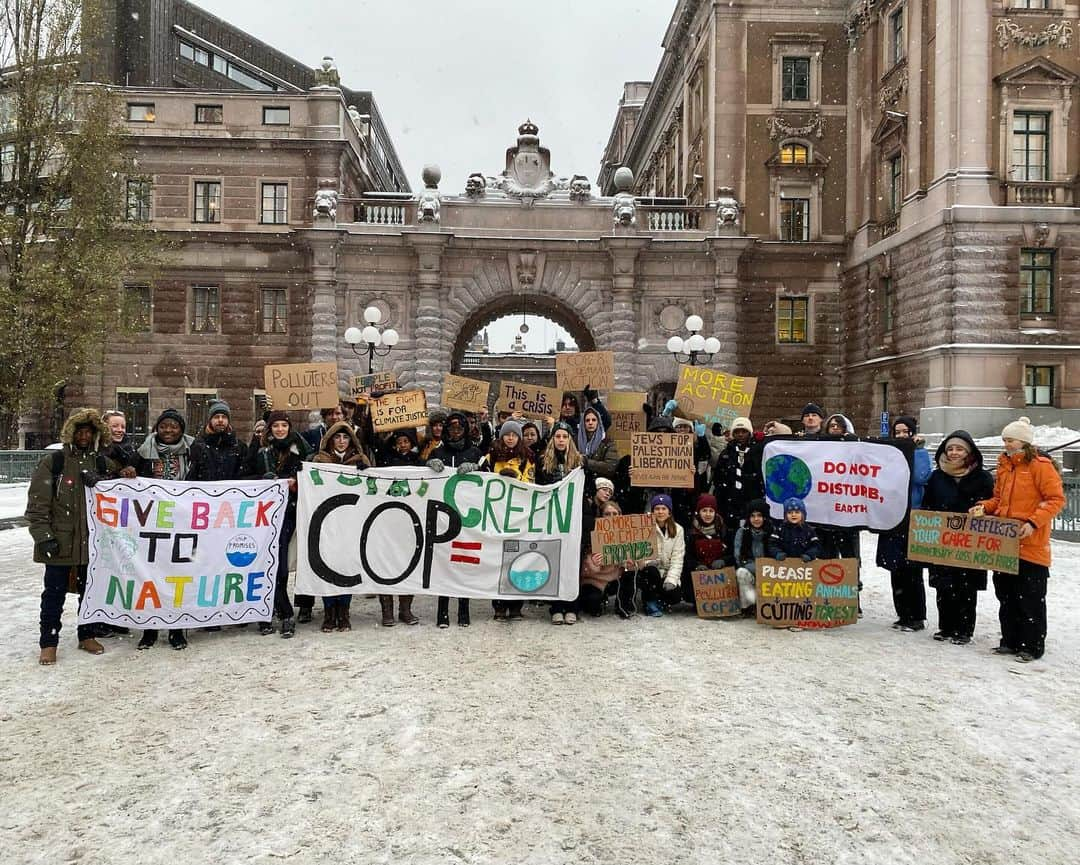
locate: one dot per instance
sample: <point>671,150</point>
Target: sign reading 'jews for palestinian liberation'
<point>574,370</point>
<point>170,554</point>
<point>823,593</point>
<point>467,536</point>
<point>406,409</point>
<point>661,460</point>
<point>716,593</point>
<point>302,386</point>
<point>713,396</point>
<point>853,484</point>
<point>466,394</point>
<point>964,541</point>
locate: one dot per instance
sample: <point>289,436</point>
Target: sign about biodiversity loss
<point>823,593</point>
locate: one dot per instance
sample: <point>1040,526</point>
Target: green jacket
<point>58,510</point>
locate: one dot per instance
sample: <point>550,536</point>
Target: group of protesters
<point>723,520</point>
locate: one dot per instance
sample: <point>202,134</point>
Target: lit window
<point>791,319</point>
<point>1038,385</point>
<point>1037,281</point>
<point>793,154</point>
<point>275,203</point>
<point>141,112</point>
<point>207,201</point>
<point>205,309</point>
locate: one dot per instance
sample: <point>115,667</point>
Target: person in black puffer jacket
<point>794,536</point>
<point>216,455</point>
<point>957,483</point>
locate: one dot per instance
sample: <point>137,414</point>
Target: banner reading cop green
<point>412,531</point>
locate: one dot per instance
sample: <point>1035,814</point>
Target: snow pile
<point>1046,437</point>
<point>669,740</point>
<point>13,500</point>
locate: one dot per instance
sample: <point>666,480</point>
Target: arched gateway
<point>620,274</point>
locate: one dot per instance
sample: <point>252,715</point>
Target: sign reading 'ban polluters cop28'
<point>412,531</point>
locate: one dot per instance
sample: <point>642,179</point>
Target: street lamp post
<point>371,341</point>
<point>690,350</point>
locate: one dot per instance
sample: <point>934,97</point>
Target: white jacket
<point>670,553</point>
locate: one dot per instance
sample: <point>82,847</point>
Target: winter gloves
<point>590,395</point>
<point>669,407</point>
<point>49,548</point>
<point>437,465</point>
<point>465,468</point>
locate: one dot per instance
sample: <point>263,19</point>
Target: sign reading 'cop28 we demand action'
<point>854,484</point>
<point>414,531</point>
<point>170,554</point>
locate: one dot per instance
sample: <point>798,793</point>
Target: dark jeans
<point>909,592</point>
<point>652,587</point>
<point>1022,611</point>
<point>52,605</point>
<point>956,602</point>
<point>508,607</point>
<point>564,607</point>
<point>330,601</point>
<point>282,606</point>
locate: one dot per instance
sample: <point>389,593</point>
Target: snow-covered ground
<point>1046,437</point>
<point>13,499</point>
<point>652,741</point>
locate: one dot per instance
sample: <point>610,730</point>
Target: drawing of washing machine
<point>530,568</point>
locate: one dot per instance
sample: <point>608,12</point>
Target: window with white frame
<point>794,219</point>
<point>1037,282</point>
<point>1039,385</point>
<point>207,201</point>
<point>795,79</point>
<point>138,200</point>
<point>205,309</point>
<point>792,314</point>
<point>275,204</point>
<point>796,69</point>
<point>895,36</point>
<point>274,310</point>
<point>1030,146</point>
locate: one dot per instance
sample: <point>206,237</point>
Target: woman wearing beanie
<point>282,453</point>
<point>956,484</point>
<point>908,591</point>
<point>510,457</point>
<point>707,534</point>
<point>661,581</point>
<point>1028,487</point>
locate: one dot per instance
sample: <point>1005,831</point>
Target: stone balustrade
<point>1044,193</point>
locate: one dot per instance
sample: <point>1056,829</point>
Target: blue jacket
<point>788,539</point>
<point>920,474</point>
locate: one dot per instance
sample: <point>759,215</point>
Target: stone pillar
<point>431,348</point>
<point>621,335</point>
<point>726,252</point>
<point>326,337</point>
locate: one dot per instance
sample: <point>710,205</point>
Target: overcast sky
<point>455,78</point>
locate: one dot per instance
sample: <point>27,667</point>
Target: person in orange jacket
<point>1027,487</point>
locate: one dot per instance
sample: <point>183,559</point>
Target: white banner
<point>849,484</point>
<point>416,532</point>
<point>170,554</point>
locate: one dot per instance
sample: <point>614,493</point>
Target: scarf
<point>586,444</point>
<point>172,459</point>
<point>954,470</point>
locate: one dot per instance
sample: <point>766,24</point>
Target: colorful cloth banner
<point>417,532</point>
<point>850,484</point>
<point>170,554</point>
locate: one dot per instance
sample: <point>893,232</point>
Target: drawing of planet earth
<point>787,476</point>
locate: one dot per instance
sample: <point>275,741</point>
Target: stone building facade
<point>933,145</point>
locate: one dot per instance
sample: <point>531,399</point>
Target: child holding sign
<point>794,537</point>
<point>751,543</point>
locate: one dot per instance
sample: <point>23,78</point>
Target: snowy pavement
<point>651,741</point>
<point>13,500</point>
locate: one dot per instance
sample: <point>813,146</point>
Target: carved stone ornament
<point>859,19</point>
<point>326,75</point>
<point>890,95</point>
<point>727,208</point>
<point>528,172</point>
<point>624,208</point>
<point>526,269</point>
<point>580,189</point>
<point>1041,234</point>
<point>325,205</point>
<point>1057,34</point>
<point>427,210</point>
<point>475,185</point>
<point>780,128</point>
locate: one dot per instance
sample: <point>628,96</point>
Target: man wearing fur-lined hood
<point>56,511</point>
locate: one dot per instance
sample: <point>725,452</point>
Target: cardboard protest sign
<point>532,400</point>
<point>476,535</point>
<point>964,541</point>
<point>823,593</point>
<point>661,460</point>
<point>713,396</point>
<point>626,400</point>
<point>628,538</point>
<point>467,394</point>
<point>853,484</point>
<point>627,417</point>
<point>406,409</point>
<point>302,386</point>
<point>365,384</point>
<point>576,369</point>
<point>716,593</point>
<point>172,554</point>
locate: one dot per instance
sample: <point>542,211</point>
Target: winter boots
<point>405,613</point>
<point>330,619</point>
<point>386,602</point>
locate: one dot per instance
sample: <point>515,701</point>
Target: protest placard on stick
<point>362,385</point>
<point>661,460</point>
<point>406,409</point>
<point>466,394</point>
<point>626,400</point>
<point>302,386</point>
<point>712,395</point>
<point>716,593</point>
<point>576,369</point>
<point>964,541</point>
<point>531,400</point>
<point>628,538</point>
<point>823,593</point>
